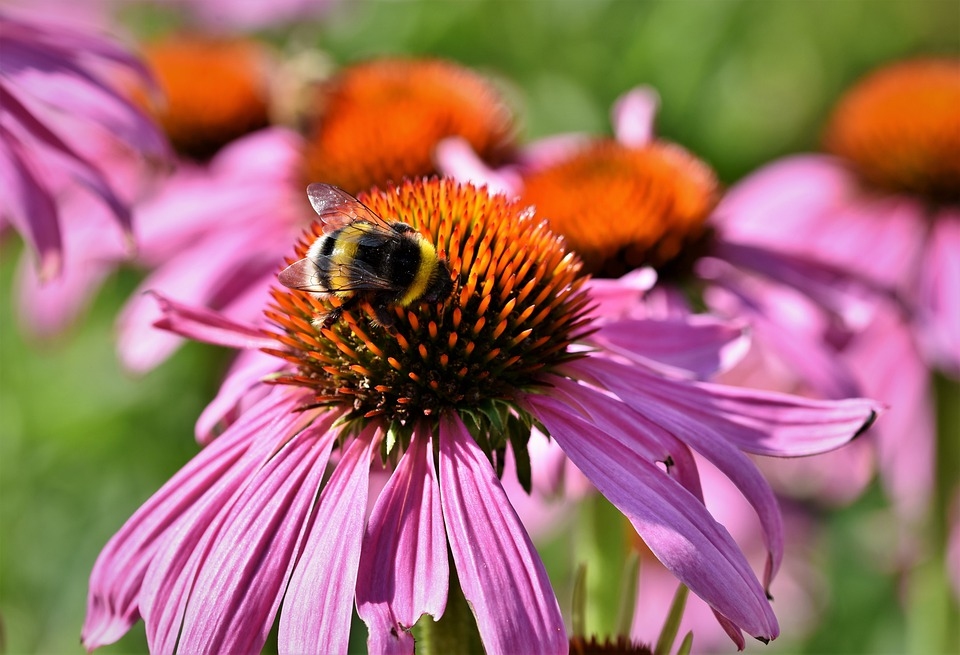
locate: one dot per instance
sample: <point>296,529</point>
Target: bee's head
<point>440,284</point>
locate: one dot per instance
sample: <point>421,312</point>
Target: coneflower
<point>271,516</point>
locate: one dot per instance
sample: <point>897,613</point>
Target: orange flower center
<point>380,121</point>
<point>215,90</point>
<point>621,208</point>
<point>900,128</point>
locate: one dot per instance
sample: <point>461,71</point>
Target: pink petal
<point>552,150</point>
<point>117,576</point>
<point>891,368</point>
<point>675,525</point>
<point>500,571</point>
<point>939,293</point>
<point>403,563</point>
<point>320,597</point>
<point>702,345</point>
<point>29,205</point>
<point>245,569</point>
<point>209,327</point>
<point>48,309</point>
<point>759,422</point>
<point>622,297</point>
<point>789,327</point>
<point>633,115</point>
<point>195,277</point>
<point>844,292</point>
<point>172,572</point>
<point>240,386</point>
<point>796,190</point>
<point>727,458</point>
<point>456,158</point>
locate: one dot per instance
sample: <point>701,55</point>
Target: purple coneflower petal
<point>112,605</point>
<point>633,115</point>
<point>699,344</point>
<point>178,555</point>
<point>240,384</point>
<point>403,563</point>
<point>788,324</point>
<point>500,571</point>
<point>939,300</point>
<point>29,205</point>
<point>456,158</point>
<point>250,551</point>
<point>759,422</point>
<point>313,622</point>
<point>208,326</point>
<point>675,524</point>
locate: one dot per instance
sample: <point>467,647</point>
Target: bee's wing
<point>302,275</point>
<point>354,276</point>
<point>337,208</point>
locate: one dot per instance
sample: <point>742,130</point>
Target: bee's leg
<point>335,314</point>
<point>384,316</point>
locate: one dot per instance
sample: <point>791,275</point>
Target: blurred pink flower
<point>675,241</point>
<point>61,105</point>
<point>883,206</point>
<point>252,15</point>
<point>245,526</point>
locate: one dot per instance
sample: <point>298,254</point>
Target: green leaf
<point>672,625</point>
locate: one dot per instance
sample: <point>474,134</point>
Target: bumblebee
<point>361,257</point>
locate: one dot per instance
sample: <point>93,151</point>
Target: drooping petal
<point>248,559</point>
<point>320,597</point>
<point>759,422</point>
<point>117,576</point>
<point>675,524</point>
<point>403,562</point>
<point>195,277</point>
<point>789,327</point>
<point>701,345</point>
<point>29,205</point>
<point>201,324</point>
<point>500,572</point>
<point>179,553</point>
<point>721,453</point>
<point>240,387</point>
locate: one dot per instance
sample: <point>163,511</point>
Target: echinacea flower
<point>271,516</point>
<point>885,201</point>
<point>640,208</point>
<point>60,104</point>
<point>884,205</point>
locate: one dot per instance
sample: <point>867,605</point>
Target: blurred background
<point>83,444</point>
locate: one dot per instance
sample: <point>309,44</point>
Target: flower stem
<point>456,631</point>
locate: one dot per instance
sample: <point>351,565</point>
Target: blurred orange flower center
<point>900,128</point>
<point>215,90</point>
<point>379,122</point>
<point>622,208</point>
